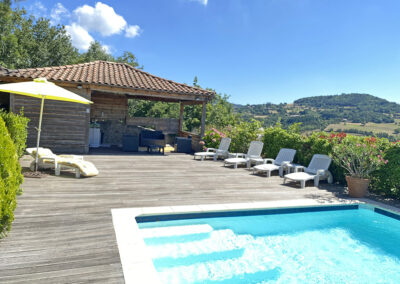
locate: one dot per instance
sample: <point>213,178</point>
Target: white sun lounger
<point>48,158</point>
<point>81,167</point>
<point>317,170</point>
<point>283,159</point>
<point>222,151</point>
<point>253,155</point>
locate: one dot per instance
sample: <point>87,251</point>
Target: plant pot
<point>358,187</point>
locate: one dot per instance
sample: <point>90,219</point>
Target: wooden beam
<point>203,120</point>
<point>181,110</point>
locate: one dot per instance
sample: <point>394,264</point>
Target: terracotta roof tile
<point>106,73</point>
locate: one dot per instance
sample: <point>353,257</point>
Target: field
<point>374,127</point>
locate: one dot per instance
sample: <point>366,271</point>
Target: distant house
<point>109,85</point>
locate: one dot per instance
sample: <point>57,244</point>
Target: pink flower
<point>386,161</point>
<point>214,140</point>
<point>202,143</point>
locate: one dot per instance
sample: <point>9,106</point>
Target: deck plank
<point>63,230</point>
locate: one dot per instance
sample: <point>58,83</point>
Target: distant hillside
<point>361,101</point>
<point>318,112</point>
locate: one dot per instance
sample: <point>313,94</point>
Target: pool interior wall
<point>253,212</point>
<point>233,235</point>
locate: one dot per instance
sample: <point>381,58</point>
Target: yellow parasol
<point>42,89</point>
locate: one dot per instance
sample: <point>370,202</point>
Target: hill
<point>316,113</point>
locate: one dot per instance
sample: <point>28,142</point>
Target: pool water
<point>338,246</point>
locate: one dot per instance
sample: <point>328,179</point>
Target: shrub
<point>276,138</point>
<point>358,156</point>
<point>242,134</point>
<point>386,180</point>
<point>212,138</point>
<point>17,127</point>
<point>10,179</point>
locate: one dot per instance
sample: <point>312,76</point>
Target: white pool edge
<point>136,262</point>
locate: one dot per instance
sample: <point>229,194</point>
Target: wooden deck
<point>63,231</point>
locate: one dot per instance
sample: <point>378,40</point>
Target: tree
<point>26,42</point>
<point>96,52</point>
<point>129,58</point>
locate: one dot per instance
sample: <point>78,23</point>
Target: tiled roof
<point>104,73</point>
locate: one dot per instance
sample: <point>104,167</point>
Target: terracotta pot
<point>358,187</point>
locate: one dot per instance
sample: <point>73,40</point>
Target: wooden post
<point>182,108</point>
<point>203,120</point>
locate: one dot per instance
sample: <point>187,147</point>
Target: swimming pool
<point>329,244</point>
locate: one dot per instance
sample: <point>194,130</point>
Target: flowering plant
<point>359,156</point>
<point>212,138</point>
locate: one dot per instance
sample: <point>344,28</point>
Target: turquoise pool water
<point>340,246</point>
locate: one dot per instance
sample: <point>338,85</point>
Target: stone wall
<point>114,130</point>
<point>166,125</point>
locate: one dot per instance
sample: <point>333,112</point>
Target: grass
<point>374,127</point>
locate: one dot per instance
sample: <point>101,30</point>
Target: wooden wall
<point>65,125</point>
<point>108,106</point>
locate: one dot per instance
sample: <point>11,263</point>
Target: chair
<point>222,150</point>
<point>317,170</point>
<point>284,158</point>
<point>47,158</point>
<point>81,167</point>
<point>253,155</point>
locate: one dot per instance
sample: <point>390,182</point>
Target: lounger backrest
<point>285,155</point>
<point>43,152</point>
<point>255,149</point>
<point>225,143</point>
<point>318,162</point>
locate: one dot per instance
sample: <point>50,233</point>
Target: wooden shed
<point>109,85</point>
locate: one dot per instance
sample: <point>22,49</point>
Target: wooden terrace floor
<point>63,232</point>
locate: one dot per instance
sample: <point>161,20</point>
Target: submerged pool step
<point>168,262</point>
<point>247,278</point>
<point>175,231</point>
<point>217,241</point>
<point>236,266</point>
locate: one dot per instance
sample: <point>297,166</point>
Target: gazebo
<point>109,85</point>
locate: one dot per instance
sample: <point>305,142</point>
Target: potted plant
<point>359,157</point>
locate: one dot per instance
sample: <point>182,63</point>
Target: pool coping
<point>136,263</point>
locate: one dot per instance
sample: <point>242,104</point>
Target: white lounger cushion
<point>82,167</point>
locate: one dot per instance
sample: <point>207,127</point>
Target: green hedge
<point>386,180</point>
<point>17,127</point>
<point>10,179</point>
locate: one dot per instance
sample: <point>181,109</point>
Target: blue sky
<point>256,51</point>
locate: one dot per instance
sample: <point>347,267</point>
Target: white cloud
<point>203,2</point>
<point>106,48</point>
<point>80,37</point>
<point>101,18</point>
<point>58,12</point>
<point>132,31</point>
<point>37,9</point>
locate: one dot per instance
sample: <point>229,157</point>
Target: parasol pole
<point>38,136</point>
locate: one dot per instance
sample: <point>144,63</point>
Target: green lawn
<point>374,127</point>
